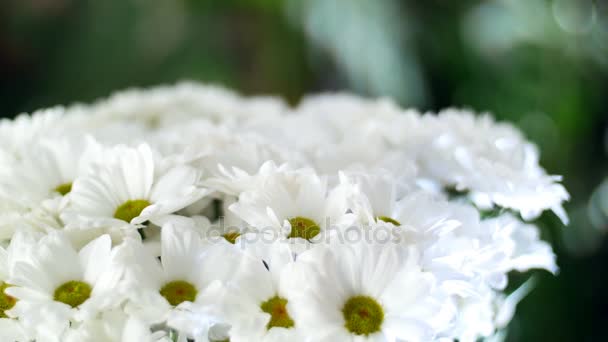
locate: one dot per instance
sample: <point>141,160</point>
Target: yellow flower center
<point>130,209</point>
<point>179,291</point>
<point>73,293</point>
<point>277,308</point>
<point>64,189</point>
<point>302,227</point>
<point>6,302</point>
<point>231,237</point>
<point>362,315</point>
<point>388,220</point>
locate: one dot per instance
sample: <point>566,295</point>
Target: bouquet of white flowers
<point>192,213</point>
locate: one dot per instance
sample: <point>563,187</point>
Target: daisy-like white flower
<point>374,197</point>
<point>235,180</point>
<point>163,105</point>
<point>480,316</point>
<point>446,233</point>
<point>458,246</point>
<point>293,204</point>
<point>519,243</point>
<point>19,134</point>
<point>10,215</point>
<point>450,237</point>
<point>340,132</point>
<point>46,170</point>
<point>10,328</point>
<point>33,188</point>
<point>227,229</point>
<point>364,292</point>
<point>57,285</point>
<point>257,302</point>
<point>245,154</point>
<point>128,187</point>
<point>189,274</point>
<point>491,160</point>
<point>212,147</point>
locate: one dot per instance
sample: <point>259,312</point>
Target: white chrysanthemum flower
<point>458,247</point>
<point>334,132</point>
<point>491,160</point>
<point>453,241</point>
<point>46,170</point>
<point>130,188</point>
<point>234,180</point>
<point>481,315</point>
<point>244,153</point>
<point>20,133</point>
<point>520,243</point>
<point>10,328</point>
<point>10,215</point>
<point>226,230</point>
<point>365,292</point>
<point>38,220</point>
<point>161,106</point>
<point>57,285</point>
<point>292,204</point>
<point>374,197</point>
<point>257,303</point>
<point>188,275</point>
<point>445,233</point>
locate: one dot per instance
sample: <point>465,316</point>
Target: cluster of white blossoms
<point>190,213</point>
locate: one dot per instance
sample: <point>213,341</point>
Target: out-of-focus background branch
<point>541,64</point>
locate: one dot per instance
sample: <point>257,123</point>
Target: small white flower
<point>10,328</point>
<point>482,315</point>
<point>46,170</point>
<point>234,180</point>
<point>257,303</point>
<point>189,273</point>
<point>375,196</point>
<point>57,284</point>
<point>292,205</point>
<point>491,160</point>
<point>129,188</point>
<point>446,234</point>
<point>521,245</point>
<point>162,106</point>
<point>25,130</point>
<point>364,292</point>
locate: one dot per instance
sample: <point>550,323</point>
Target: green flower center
<point>302,227</point>
<point>64,189</point>
<point>6,302</point>
<point>179,291</point>
<point>231,237</point>
<point>388,220</point>
<point>277,308</point>
<point>73,293</point>
<point>130,209</point>
<point>362,315</point>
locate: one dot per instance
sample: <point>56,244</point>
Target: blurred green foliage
<point>541,64</point>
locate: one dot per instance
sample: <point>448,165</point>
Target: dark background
<point>540,64</point>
